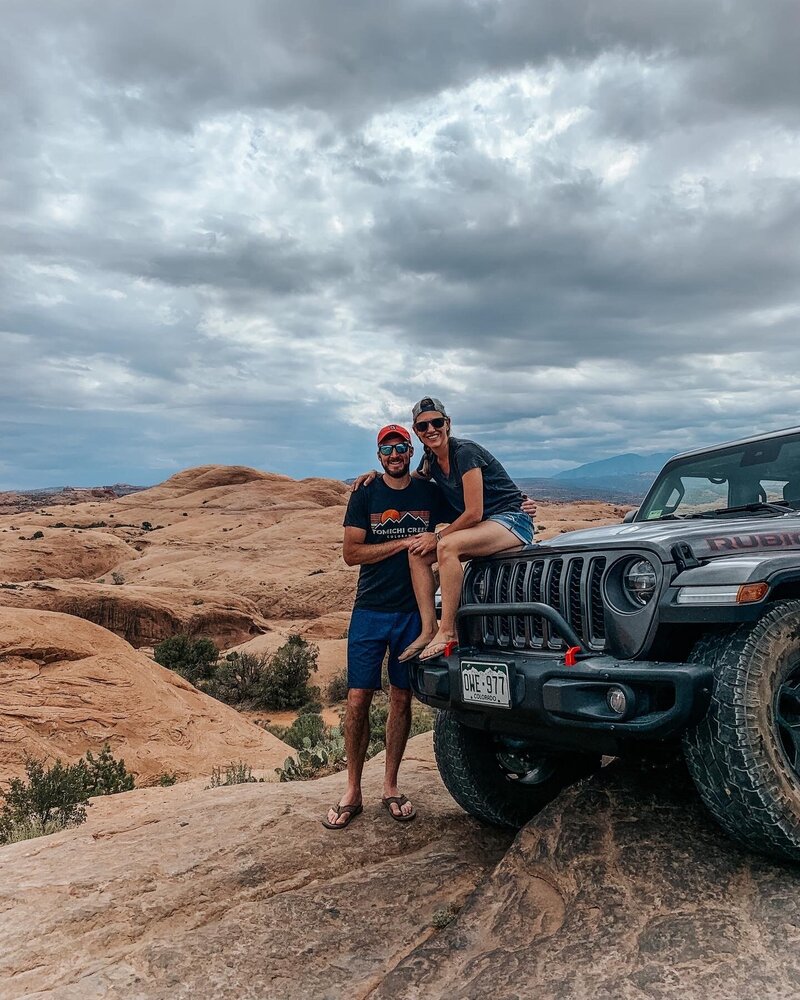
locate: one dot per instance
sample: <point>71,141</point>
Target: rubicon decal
<point>754,540</point>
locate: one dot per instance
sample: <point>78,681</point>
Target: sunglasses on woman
<point>387,449</point>
<point>422,425</point>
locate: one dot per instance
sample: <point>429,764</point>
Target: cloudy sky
<point>250,233</point>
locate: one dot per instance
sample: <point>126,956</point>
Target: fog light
<point>617,700</point>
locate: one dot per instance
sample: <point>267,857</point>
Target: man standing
<point>381,521</point>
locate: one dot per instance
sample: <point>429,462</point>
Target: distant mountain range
<point>619,465</point>
<point>621,479</point>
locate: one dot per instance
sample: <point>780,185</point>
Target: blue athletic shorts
<point>518,523</point>
<point>370,634</point>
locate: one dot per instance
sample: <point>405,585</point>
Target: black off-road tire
<point>468,763</point>
<point>736,755</point>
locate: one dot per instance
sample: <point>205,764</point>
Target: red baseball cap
<point>390,429</point>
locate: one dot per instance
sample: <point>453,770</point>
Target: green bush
<point>304,727</point>
<point>313,707</point>
<point>312,760</point>
<point>337,686</point>
<point>193,659</point>
<point>285,681</point>
<point>274,682</point>
<point>54,798</point>
<point>238,678</point>
<point>105,775</point>
<point>166,779</point>
<point>37,534</point>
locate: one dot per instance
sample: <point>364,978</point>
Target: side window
<point>774,490</point>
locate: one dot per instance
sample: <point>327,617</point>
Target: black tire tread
<point>468,765</point>
<point>756,803</point>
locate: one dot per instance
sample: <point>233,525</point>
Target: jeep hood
<point>708,539</point>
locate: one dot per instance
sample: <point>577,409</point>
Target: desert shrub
<point>238,678</point>
<point>166,779</point>
<point>193,659</point>
<point>51,799</point>
<point>59,524</point>
<point>445,915</point>
<point>236,773</point>
<point>105,775</point>
<point>147,526</point>
<point>337,686</point>
<point>285,680</point>
<point>37,534</point>
<point>311,727</point>
<point>314,760</point>
<point>117,578</point>
<point>54,798</point>
<point>261,681</point>
<point>313,707</point>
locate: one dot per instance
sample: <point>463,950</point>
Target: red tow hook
<point>450,647</point>
<point>571,656</point>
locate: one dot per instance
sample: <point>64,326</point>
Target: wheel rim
<point>524,768</point>
<point>787,717</point>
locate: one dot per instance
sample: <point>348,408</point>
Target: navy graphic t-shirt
<point>386,514</point>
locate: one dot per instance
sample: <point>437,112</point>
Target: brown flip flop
<point>350,811</point>
<point>398,800</point>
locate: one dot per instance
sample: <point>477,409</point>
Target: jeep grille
<point>571,584</point>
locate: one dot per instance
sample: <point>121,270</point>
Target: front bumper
<point>565,706</point>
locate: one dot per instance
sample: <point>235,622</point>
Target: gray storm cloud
<point>250,233</point>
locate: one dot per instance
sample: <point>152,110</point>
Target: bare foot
<point>415,647</point>
<point>436,646</point>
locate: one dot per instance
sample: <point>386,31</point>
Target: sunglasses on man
<point>422,425</point>
<point>387,449</point>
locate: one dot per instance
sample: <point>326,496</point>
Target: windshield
<point>762,477</point>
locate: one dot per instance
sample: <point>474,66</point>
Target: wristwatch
<point>438,535</point>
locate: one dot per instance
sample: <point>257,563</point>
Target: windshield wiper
<point>759,507</point>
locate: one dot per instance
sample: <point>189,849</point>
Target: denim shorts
<point>518,523</point>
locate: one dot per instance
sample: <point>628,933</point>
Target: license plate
<point>486,684</point>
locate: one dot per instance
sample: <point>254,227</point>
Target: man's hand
<point>364,479</point>
<point>422,544</point>
<point>528,505</point>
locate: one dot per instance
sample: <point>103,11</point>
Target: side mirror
<point>630,515</point>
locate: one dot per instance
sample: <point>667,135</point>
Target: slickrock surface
<point>235,892</point>
<point>622,889</point>
<point>67,686</point>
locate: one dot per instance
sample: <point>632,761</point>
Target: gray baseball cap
<point>428,403</point>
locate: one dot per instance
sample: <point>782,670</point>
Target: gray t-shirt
<point>499,492</point>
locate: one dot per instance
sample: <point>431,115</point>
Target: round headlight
<point>639,581</point>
